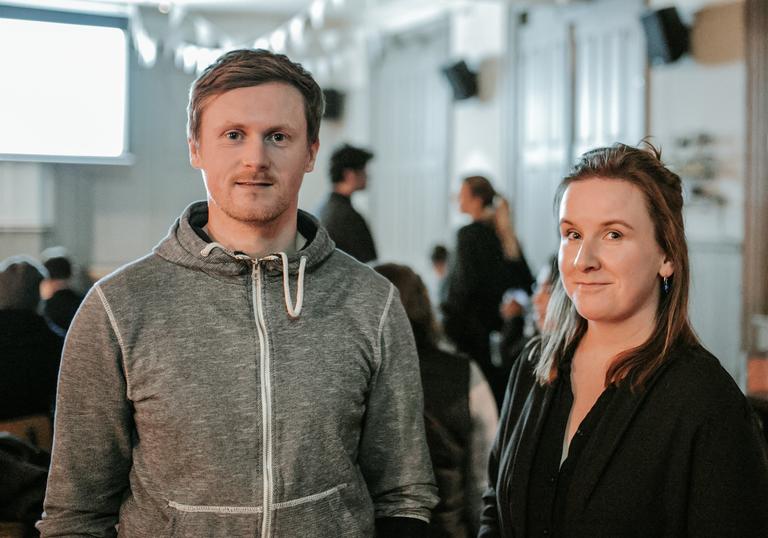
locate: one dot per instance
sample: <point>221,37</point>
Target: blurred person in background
<point>459,413</point>
<point>515,333</point>
<point>348,229</point>
<point>487,261</point>
<point>60,300</point>
<point>617,422</point>
<point>29,350</point>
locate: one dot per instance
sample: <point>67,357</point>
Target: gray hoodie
<point>203,394</point>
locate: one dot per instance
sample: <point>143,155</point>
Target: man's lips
<point>254,182</point>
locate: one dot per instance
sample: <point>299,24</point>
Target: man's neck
<point>344,189</point>
<point>255,240</point>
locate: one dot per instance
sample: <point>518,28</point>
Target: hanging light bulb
<point>296,30</point>
<point>277,40</point>
<point>317,13</point>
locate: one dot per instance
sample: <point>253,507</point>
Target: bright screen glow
<point>63,89</point>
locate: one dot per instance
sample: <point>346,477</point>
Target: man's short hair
<point>56,261</point>
<point>244,68</point>
<point>439,254</point>
<point>348,157</point>
<point>59,268</point>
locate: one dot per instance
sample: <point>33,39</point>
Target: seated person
<point>459,412</point>
<point>29,350</point>
<point>61,302</point>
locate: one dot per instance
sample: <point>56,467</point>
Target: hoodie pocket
<point>187,520</point>
<point>321,515</point>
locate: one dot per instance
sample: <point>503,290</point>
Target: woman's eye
<point>613,235</point>
<point>572,235</point>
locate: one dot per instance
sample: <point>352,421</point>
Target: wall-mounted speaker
<point>334,104</point>
<point>463,81</point>
<point>666,36</point>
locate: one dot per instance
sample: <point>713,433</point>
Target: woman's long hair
<point>663,195</point>
<point>499,216</point>
<point>415,299</point>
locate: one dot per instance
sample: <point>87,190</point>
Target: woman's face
<point>468,202</point>
<point>610,262</point>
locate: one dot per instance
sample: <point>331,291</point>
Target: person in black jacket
<point>29,350</point>
<point>459,414</point>
<point>618,422</point>
<point>345,225</point>
<point>487,262</point>
<point>61,301</point>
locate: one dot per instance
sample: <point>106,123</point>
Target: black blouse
<point>550,481</point>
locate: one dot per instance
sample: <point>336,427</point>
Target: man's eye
<point>278,137</point>
<point>233,135</point>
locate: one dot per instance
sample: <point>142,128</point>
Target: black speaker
<point>334,104</point>
<point>463,81</point>
<point>666,36</point>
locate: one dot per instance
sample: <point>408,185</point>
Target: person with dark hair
<point>459,414</point>
<point>60,300</point>
<point>487,261</point>
<point>617,422</point>
<point>29,350</point>
<point>517,332</point>
<point>245,378</point>
<point>348,229</point>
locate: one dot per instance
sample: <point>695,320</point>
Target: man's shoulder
<point>356,274</point>
<point>144,271</point>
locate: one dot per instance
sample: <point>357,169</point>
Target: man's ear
<point>313,147</point>
<point>194,154</point>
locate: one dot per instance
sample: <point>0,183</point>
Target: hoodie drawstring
<point>293,312</point>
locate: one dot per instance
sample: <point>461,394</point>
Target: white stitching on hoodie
<point>192,508</point>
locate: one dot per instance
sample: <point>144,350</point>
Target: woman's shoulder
<point>695,377</point>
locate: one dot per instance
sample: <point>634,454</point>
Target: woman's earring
<point>666,284</point>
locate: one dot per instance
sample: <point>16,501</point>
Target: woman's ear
<point>667,268</point>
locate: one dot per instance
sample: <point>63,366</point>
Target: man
<point>197,397</point>
<point>345,225</point>
<point>61,302</point>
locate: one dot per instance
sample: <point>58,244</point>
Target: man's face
<point>253,153</point>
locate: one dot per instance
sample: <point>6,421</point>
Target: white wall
<point>478,35</point>
<point>689,97</point>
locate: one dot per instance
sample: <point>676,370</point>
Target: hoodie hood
<point>183,246</point>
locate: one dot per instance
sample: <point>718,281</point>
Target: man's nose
<point>255,154</point>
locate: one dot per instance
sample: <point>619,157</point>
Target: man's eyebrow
<point>228,124</point>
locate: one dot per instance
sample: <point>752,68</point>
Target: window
<point>63,95</point>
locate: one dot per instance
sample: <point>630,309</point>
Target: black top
<point>479,275</point>
<point>680,457</point>
<point>445,381</point>
<point>61,308</point>
<point>550,482</point>
<point>347,228</point>
<point>29,364</point>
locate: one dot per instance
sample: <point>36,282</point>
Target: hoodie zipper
<point>266,399</point>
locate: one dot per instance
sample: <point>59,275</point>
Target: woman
<point>487,262</point>
<point>618,422</point>
<point>459,414</point>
